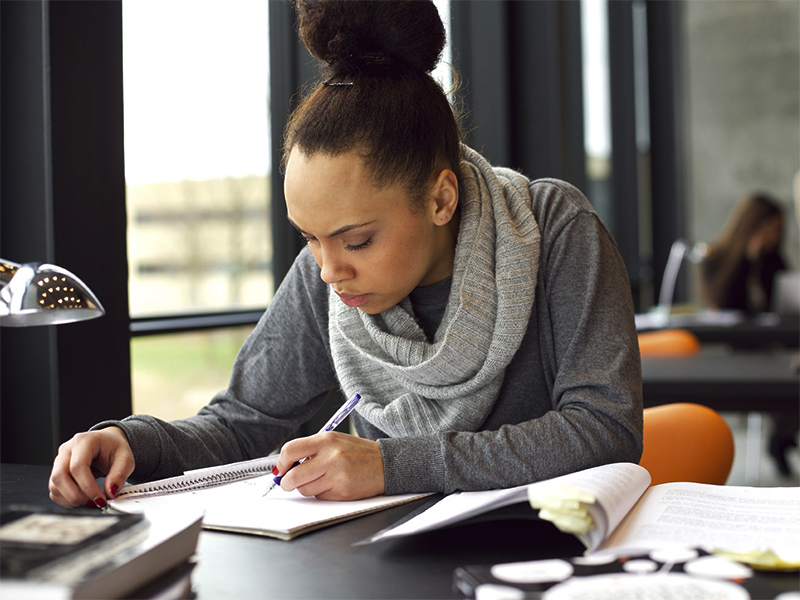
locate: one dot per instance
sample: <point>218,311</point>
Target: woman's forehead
<point>325,193</point>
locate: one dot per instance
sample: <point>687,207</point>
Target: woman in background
<point>740,268</point>
<point>739,273</point>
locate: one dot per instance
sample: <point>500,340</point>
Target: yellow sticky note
<point>765,560</point>
<point>579,521</point>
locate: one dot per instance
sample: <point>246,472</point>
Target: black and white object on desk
<point>673,572</point>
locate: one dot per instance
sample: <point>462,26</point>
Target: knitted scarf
<point>411,386</point>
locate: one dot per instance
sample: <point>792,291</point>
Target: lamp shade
<point>43,294</point>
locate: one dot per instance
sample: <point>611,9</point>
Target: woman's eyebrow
<point>339,231</point>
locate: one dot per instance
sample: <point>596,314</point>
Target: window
<point>197,170</point>
<point>596,109</point>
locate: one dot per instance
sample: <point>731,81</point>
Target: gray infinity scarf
<point>410,386</point>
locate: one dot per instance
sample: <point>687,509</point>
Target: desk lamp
<point>43,294</point>
<point>681,250</point>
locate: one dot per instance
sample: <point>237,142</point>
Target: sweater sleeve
<point>279,379</point>
<point>582,327</point>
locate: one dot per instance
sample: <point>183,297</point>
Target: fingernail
<point>114,489</point>
<point>90,504</point>
<point>275,470</point>
<point>100,502</point>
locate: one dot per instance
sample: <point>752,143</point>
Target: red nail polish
<point>100,502</point>
<point>114,489</point>
<point>90,504</point>
<point>275,470</point>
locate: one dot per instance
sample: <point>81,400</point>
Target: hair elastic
<point>374,59</point>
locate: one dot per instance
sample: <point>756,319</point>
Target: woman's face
<point>767,238</point>
<point>372,246</point>
<point>771,233</point>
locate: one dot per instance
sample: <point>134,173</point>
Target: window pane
<point>197,155</point>
<point>596,109</point>
<point>176,375</point>
<point>444,70</point>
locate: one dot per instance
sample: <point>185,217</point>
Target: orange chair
<point>668,342</point>
<point>686,442</point>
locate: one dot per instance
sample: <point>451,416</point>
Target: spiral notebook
<point>232,499</point>
<point>199,479</point>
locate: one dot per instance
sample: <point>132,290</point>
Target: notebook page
<point>242,506</point>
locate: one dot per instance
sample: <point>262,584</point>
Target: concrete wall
<point>741,63</point>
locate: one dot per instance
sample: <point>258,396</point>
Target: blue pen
<point>332,424</point>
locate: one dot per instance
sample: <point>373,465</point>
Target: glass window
<point>176,375</point>
<point>444,70</point>
<point>596,105</point>
<point>197,170</point>
<point>197,155</point>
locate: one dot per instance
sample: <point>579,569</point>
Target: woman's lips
<point>353,301</point>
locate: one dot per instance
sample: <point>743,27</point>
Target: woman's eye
<point>307,240</point>
<point>360,246</point>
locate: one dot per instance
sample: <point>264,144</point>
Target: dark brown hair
<point>727,252</point>
<point>376,94</point>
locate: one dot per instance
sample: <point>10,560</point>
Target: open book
<point>232,499</point>
<point>612,508</point>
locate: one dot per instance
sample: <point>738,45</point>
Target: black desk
<point>725,380</point>
<point>759,331</point>
<point>325,564</point>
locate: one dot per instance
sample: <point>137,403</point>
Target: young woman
<point>485,319</point>
<point>739,271</point>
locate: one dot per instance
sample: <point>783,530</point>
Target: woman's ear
<point>444,196</point>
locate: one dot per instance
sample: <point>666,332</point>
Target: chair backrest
<point>686,442</point>
<point>786,293</point>
<point>668,342</point>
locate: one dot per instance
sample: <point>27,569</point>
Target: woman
<point>740,268</point>
<point>739,273</point>
<point>486,320</point>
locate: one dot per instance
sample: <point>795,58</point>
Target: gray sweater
<point>571,398</point>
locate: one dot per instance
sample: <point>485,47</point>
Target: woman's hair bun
<point>338,32</point>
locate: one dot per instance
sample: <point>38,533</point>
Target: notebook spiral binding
<point>199,481</point>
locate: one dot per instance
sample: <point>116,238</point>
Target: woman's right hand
<point>84,458</point>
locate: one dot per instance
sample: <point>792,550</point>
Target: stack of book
<point>83,553</point>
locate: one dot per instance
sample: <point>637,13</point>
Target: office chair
<point>668,342</point>
<point>686,442</point>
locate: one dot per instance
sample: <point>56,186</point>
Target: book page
<point>616,486</point>
<point>453,508</point>
<point>712,517</point>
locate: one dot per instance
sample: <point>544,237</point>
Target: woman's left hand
<point>337,466</point>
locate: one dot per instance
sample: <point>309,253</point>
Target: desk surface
<point>326,564</point>
<point>725,379</point>
<point>759,331</point>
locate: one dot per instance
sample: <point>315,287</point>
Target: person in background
<point>740,268</point>
<point>739,274</point>
<point>485,319</point>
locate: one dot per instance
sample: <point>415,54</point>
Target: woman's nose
<point>332,268</point>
